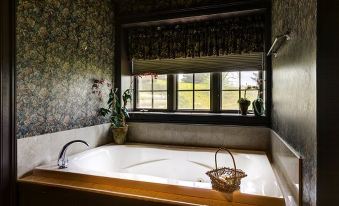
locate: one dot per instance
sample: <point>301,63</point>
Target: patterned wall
<point>294,79</point>
<point>62,46</point>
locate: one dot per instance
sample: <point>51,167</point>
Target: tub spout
<point>62,160</point>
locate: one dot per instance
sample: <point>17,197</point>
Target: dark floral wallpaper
<point>62,46</point>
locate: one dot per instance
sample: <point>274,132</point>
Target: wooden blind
<point>234,62</point>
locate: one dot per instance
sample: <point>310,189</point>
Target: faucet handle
<point>62,163</point>
<point>63,160</point>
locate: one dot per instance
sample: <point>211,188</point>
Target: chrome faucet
<point>62,160</point>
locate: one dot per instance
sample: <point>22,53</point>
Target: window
<point>234,85</point>
<point>230,91</point>
<point>193,91</point>
<point>207,92</point>
<point>152,92</point>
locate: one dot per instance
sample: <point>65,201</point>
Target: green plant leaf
<point>104,111</point>
<point>118,113</point>
<point>125,111</point>
<point>127,95</point>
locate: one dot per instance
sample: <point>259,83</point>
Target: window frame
<point>136,95</point>
<point>193,91</point>
<point>215,95</point>
<point>240,90</point>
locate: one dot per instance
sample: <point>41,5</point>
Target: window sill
<point>199,118</point>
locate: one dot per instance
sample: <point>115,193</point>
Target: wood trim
<point>199,118</point>
<point>171,93</point>
<point>233,8</point>
<point>216,92</point>
<point>7,134</point>
<point>164,193</point>
<point>267,64</point>
<point>110,189</point>
<point>327,112</point>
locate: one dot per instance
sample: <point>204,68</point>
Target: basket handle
<point>216,163</point>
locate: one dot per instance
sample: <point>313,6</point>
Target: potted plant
<point>117,112</point>
<point>244,103</point>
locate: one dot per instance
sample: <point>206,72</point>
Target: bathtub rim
<point>78,180</point>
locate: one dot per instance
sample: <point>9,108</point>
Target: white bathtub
<point>184,167</point>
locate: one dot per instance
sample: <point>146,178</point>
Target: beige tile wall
<point>287,166</point>
<point>240,137</point>
<point>38,150</point>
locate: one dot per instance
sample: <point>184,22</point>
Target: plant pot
<point>244,108</point>
<point>119,134</point>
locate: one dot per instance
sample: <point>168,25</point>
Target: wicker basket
<point>226,179</point>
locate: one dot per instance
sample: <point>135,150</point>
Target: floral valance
<point>235,35</point>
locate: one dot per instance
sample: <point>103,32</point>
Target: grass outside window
<point>194,91</point>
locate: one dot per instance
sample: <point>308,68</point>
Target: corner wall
<point>294,85</point>
<point>327,103</point>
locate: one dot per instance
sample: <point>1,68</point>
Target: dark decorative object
<point>116,112</point>
<point>258,107</point>
<point>258,104</point>
<point>234,35</point>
